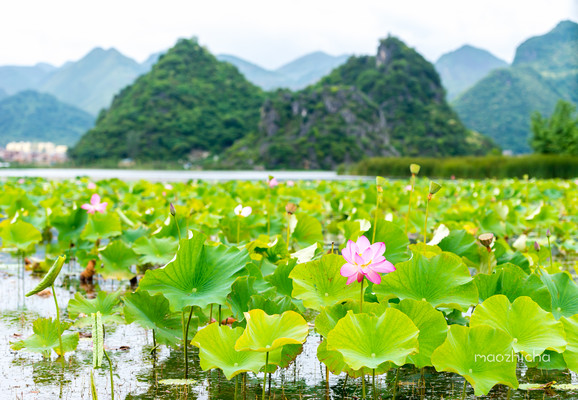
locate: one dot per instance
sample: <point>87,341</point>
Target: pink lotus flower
<point>365,260</point>
<point>95,205</point>
<point>290,183</point>
<point>91,186</point>
<point>272,182</point>
<point>168,186</point>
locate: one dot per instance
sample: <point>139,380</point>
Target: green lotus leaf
<point>329,316</point>
<point>511,281</point>
<point>217,350</point>
<point>19,234</point>
<point>432,327</point>
<point>482,355</point>
<point>334,361</point>
<point>548,360</point>
<point>240,296</point>
<point>283,356</point>
<point>571,353</point>
<point>280,277</point>
<point>101,226</point>
<point>157,251</point>
<point>273,305</point>
<point>266,333</point>
<point>107,304</point>
<point>69,226</point>
<point>367,341</point>
<point>533,330</point>
<point>49,278</point>
<point>117,258</point>
<point>442,281</point>
<point>396,241</point>
<point>564,294</point>
<point>461,243</point>
<point>153,312</point>
<point>308,231</point>
<point>45,338</point>
<point>319,283</point>
<point>199,275</point>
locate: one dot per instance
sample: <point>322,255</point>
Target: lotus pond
<point>289,290</point>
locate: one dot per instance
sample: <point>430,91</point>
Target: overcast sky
<point>268,32</point>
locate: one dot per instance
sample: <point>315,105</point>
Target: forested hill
<point>188,102</point>
<point>384,105</point>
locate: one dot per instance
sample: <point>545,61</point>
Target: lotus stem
<point>268,211</point>
<point>550,248</point>
<point>238,229</point>
<point>395,382</point>
<point>344,384</point>
<point>425,223</point>
<point>327,381</point>
<point>219,315</point>
<point>288,231</point>
<point>154,344</point>
<point>363,386</point>
<point>186,340</point>
<point>178,228</point>
<point>361,297</point>
<point>111,376</point>
<point>464,391</point>
<point>211,314</point>
<point>236,385</point>
<point>409,204</point>
<point>332,246</point>
<point>58,321</point>
<point>265,374</point>
<point>373,383</point>
<point>509,393</point>
<point>375,217</point>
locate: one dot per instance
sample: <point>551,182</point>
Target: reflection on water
<point>137,372</point>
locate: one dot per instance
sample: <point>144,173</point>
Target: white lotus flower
<point>243,211</point>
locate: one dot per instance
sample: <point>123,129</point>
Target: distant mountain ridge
<point>33,116</point>
<point>462,68</point>
<point>544,70</point>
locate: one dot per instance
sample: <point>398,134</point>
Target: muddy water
<point>27,376</point>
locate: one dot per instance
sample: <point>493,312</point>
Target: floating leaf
<point>482,354</point>
<point>157,251</point>
<point>533,330</point>
<point>153,312</point>
<point>117,258</point>
<point>45,338</point>
<point>266,333</point>
<point>198,276</point>
<point>319,283</point>
<point>217,350</point>
<point>442,281</point>
<point>368,341</point>
<point>49,278</point>
<point>107,304</point>
<point>432,327</point>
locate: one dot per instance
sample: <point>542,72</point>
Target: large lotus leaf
<point>273,305</point>
<point>19,234</point>
<point>117,258</point>
<point>155,250</point>
<point>533,330</point>
<point>319,283</point>
<point>199,275</point>
<point>329,316</point>
<point>511,281</point>
<point>280,277</point>
<point>240,296</point>
<point>101,226</point>
<point>217,350</point>
<point>45,338</point>
<point>442,281</point>
<point>432,327</point>
<point>571,353</point>
<point>396,241</point>
<point>461,243</point>
<point>548,360</point>
<point>367,341</point>
<point>283,356</point>
<point>334,361</point>
<point>564,294</point>
<point>482,355</point>
<point>105,303</point>
<point>153,312</point>
<point>307,231</point>
<point>69,226</point>
<point>266,333</point>
<point>49,278</point>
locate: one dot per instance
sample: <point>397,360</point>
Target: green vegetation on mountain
<point>91,82</point>
<point>188,102</point>
<point>295,75</point>
<point>15,78</point>
<point>559,133</point>
<point>545,70</point>
<point>386,105</point>
<point>32,116</point>
<point>462,68</point>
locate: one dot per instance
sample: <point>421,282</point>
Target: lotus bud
<point>291,208</point>
<point>536,246</point>
<point>414,168</point>
<point>172,209</point>
<point>486,239</point>
<point>548,232</point>
<point>434,187</point>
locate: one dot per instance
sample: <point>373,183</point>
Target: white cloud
<point>268,32</point>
